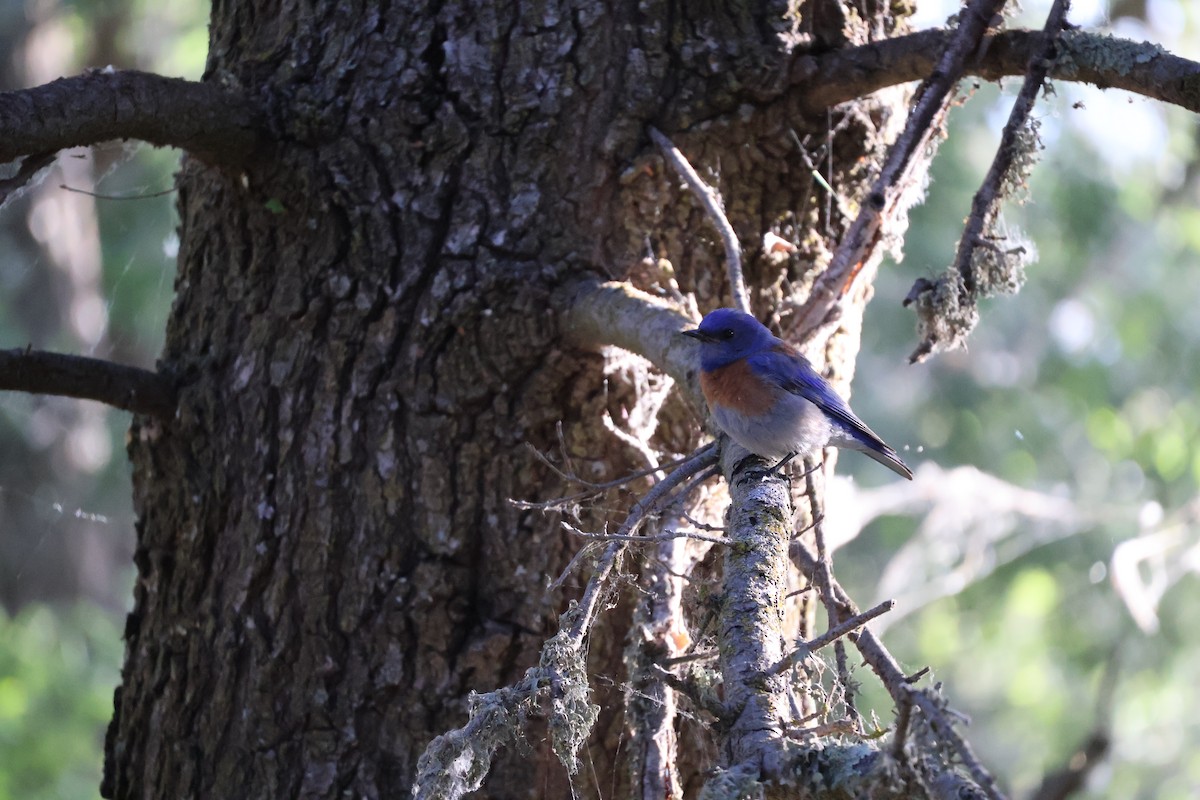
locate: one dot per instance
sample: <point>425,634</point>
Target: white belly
<point>794,426</point>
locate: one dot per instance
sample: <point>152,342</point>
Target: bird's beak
<point>698,335</point>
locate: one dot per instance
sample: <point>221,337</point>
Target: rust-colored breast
<point>737,388</point>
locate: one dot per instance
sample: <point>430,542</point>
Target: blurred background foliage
<point>88,275</point>
<point>1078,396</point>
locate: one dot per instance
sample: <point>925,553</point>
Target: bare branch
<point>805,649</point>
<point>884,199</point>
<point>214,124</point>
<point>947,308</point>
<point>661,537</point>
<point>1109,63</point>
<point>983,206</point>
<point>898,685</point>
<point>655,498</point>
<point>710,199</point>
<point>124,387</point>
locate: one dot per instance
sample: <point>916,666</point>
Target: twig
<point>661,537</point>
<point>824,581</point>
<point>945,731</point>
<point>839,727</point>
<point>100,196</point>
<point>571,477</point>
<point>588,604</point>
<point>710,199</point>
<point>124,387</point>
<point>882,201</point>
<point>894,680</point>
<point>698,655</point>
<point>805,649</point>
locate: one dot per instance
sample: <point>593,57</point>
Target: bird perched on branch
<point>768,398</point>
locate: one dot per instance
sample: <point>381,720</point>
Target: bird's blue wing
<point>784,366</point>
<point>788,369</point>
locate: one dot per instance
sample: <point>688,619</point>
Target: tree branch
<point>710,199</point>
<point>128,388</point>
<point>896,178</point>
<point>1143,68</point>
<point>945,316</point>
<point>596,313</point>
<point>216,125</point>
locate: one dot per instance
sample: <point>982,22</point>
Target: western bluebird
<point>768,398</point>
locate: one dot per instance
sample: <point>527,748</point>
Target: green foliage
<point>58,669</point>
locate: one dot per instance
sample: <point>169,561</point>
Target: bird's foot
<point>783,462</point>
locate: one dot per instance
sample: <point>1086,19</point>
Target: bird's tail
<point>885,455</point>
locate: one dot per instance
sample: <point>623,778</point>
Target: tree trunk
<point>366,336</point>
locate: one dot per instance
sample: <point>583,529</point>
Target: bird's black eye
<point>727,334</point>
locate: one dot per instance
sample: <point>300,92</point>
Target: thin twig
<point>100,196</point>
<point>689,690</point>
<point>698,655</point>
<point>588,604</point>
<point>824,581</point>
<point>906,152</point>
<point>805,649</point>
<point>571,477</point>
<point>946,731</point>
<point>893,678</point>
<point>710,199</point>
<point>661,537</point>
<point>839,727</point>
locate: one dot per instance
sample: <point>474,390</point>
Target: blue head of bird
<point>726,334</point>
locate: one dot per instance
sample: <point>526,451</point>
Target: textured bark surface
<point>364,340</point>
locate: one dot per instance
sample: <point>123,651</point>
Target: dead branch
<point>216,125</point>
<point>710,200</point>
<point>805,649</point>
<point>117,385</point>
<point>597,313</point>
<point>976,251</point>
<point>656,498</point>
<point>457,761</point>
<point>656,538</point>
<point>884,665</point>
<point>895,179</point>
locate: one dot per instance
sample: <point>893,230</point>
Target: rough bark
<point>365,336</point>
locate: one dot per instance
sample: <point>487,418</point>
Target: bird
<point>767,397</point>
